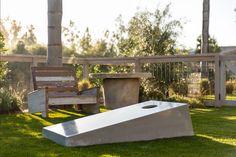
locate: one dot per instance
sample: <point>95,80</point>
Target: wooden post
<point>205,35</point>
<point>137,65</point>
<point>54,54</point>
<point>222,82</point>
<point>217,81</point>
<point>34,63</point>
<point>86,71</point>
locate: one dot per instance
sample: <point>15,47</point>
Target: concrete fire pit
<point>121,89</point>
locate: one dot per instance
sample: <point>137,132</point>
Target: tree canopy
<point>148,34</point>
<point>213,45</point>
<point>3,65</point>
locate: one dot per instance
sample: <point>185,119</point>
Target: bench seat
<point>57,86</point>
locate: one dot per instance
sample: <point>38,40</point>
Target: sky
<point>100,15</point>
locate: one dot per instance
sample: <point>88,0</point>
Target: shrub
<point>229,88</point>
<point>84,84</point>
<point>150,95</point>
<point>205,87</point>
<point>10,100</point>
<point>180,88</point>
<point>193,102</point>
<point>151,91</point>
<point>155,95</point>
<point>212,86</point>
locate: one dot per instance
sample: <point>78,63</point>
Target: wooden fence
<point>219,60</point>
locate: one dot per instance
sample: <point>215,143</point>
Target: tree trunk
<point>54,55</point>
<point>205,33</point>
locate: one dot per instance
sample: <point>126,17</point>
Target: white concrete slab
<point>142,121</point>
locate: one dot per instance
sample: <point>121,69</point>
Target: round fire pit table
<point>120,89</point>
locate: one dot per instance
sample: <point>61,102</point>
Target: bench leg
<point>77,107</point>
<point>45,114</point>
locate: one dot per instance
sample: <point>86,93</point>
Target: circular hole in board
<point>149,106</point>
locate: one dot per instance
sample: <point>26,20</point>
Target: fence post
<point>34,63</point>
<point>137,65</point>
<point>217,80</point>
<point>222,82</point>
<point>86,71</point>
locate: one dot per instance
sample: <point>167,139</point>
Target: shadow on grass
<point>184,146</point>
<point>214,129</point>
<point>215,122</point>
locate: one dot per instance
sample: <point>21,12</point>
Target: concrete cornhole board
<point>139,122</point>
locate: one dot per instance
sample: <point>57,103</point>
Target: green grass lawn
<point>215,129</point>
<point>211,97</point>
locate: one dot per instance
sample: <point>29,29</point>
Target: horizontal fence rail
<point>219,61</point>
<point>118,61</point>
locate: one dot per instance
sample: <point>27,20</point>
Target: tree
<point>86,43</point>
<point>54,57</point>
<point>20,48</point>
<point>11,30</point>
<point>213,45</point>
<point>4,31</point>
<point>2,44</point>
<point>3,65</point>
<point>29,37</point>
<point>150,34</point>
<point>11,34</point>
<point>70,36</point>
<point>205,33</point>
<point>15,29</point>
<point>205,26</point>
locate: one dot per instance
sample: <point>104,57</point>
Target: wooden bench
<point>58,86</point>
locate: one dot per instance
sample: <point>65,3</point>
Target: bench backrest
<point>53,77</point>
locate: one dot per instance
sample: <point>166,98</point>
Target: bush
<point>155,95</point>
<point>229,88</point>
<point>84,84</point>
<point>151,91</point>
<point>193,102</point>
<point>212,86</point>
<point>10,101</point>
<point>150,95</point>
<point>205,87</point>
<point>180,88</point>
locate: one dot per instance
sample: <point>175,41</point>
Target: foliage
<point>2,44</point>
<point>86,42</point>
<point>3,65</point>
<point>12,32</point>
<point>29,37</point>
<point>70,38</point>
<point>229,87</point>
<point>4,71</point>
<point>150,34</point>
<point>193,102</point>
<point>213,45</point>
<point>12,35</point>
<point>147,34</point>
<point>180,88</point>
<point>205,87</point>
<point>37,49</point>
<point>84,84</point>
<point>20,48</point>
<point>146,94</point>
<point>23,132</point>
<point>10,100</point>
<point>76,45</point>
